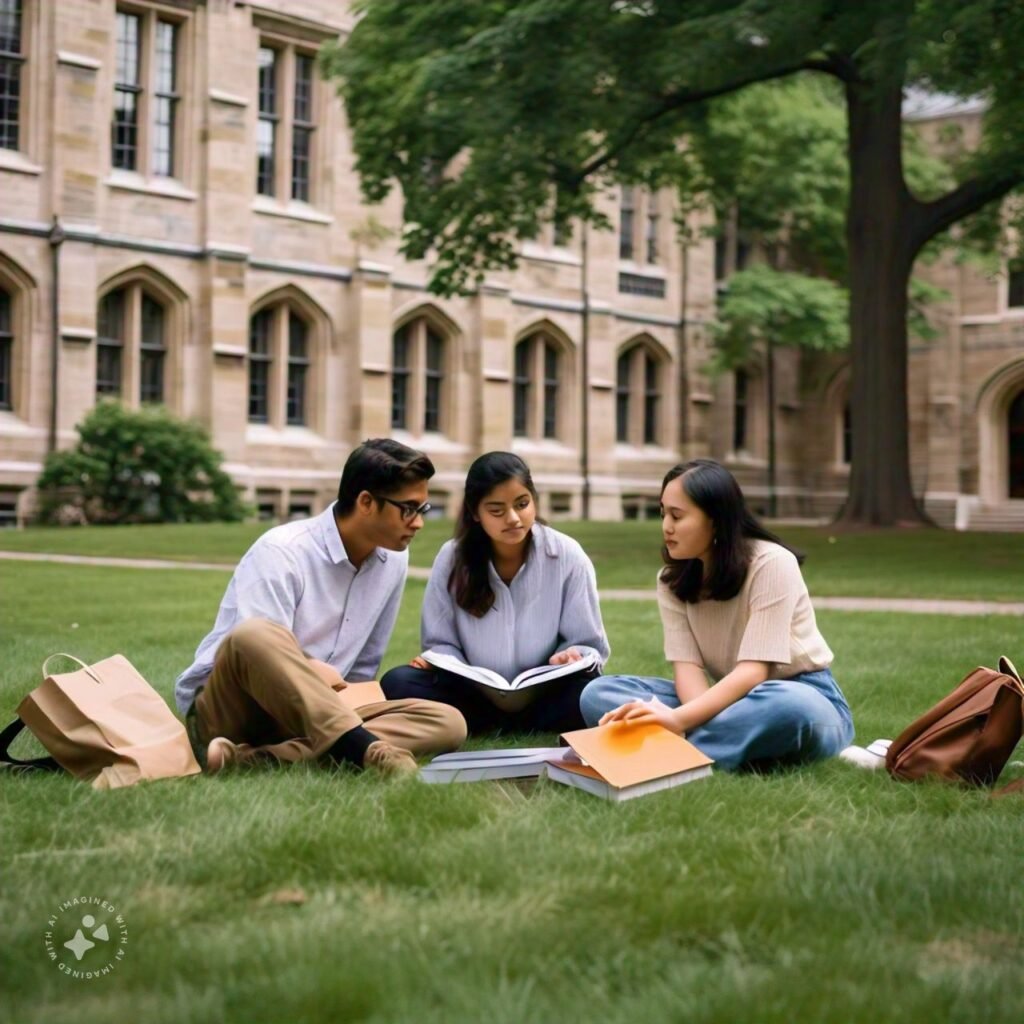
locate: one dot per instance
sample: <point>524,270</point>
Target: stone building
<point>180,222</point>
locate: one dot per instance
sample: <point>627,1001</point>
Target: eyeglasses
<point>409,509</point>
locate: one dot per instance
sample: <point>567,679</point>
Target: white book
<point>500,754</point>
<point>476,765</point>
<point>594,783</point>
<point>508,694</point>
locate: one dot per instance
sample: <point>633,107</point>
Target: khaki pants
<point>263,691</point>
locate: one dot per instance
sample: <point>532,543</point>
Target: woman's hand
<point>418,662</point>
<point>645,712</point>
<point>566,657</point>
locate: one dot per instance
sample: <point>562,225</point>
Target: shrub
<point>137,466</point>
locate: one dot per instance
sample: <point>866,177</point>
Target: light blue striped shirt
<point>299,575</point>
<point>551,604</point>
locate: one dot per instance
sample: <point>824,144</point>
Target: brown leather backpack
<point>968,736</point>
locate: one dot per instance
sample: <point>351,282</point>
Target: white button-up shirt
<point>551,604</point>
<point>299,575</point>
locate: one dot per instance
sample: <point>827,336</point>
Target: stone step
<point>1006,517</point>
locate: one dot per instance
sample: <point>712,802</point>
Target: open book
<point>621,761</point>
<point>508,694</point>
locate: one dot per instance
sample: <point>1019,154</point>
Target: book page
<point>475,672</point>
<point>542,673</point>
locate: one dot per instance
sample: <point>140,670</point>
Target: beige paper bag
<point>106,725</point>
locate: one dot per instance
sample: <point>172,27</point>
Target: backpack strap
<point>7,737</point>
<point>1007,668</point>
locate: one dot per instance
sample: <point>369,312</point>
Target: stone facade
<point>290,326</point>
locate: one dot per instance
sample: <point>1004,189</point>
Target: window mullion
<point>7,359</point>
<point>164,121</point>
<point>653,242</point>
<point>14,124</point>
<point>639,222</point>
<point>622,399</point>
<point>131,353</point>
<point>285,119</point>
<point>627,222</point>
<point>652,397</point>
<point>532,401</point>
<point>178,134</point>
<point>147,43</point>
<point>418,365</point>
<point>537,390</point>
<point>636,397</point>
<point>302,141</point>
<point>279,367</point>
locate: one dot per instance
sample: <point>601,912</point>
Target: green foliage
<point>735,155</point>
<point>785,308</point>
<point>138,466</point>
<point>777,153</point>
<point>921,295</point>
<point>734,161</point>
<point>480,112</point>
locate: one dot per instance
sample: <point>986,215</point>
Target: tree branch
<point>928,219</point>
<point>676,100</point>
<point>841,65</point>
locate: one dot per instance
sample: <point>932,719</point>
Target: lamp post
<point>56,240</point>
<point>585,377</point>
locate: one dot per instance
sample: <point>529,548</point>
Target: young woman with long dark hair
<point>507,593</point>
<point>734,606</point>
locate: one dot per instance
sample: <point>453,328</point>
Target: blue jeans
<point>780,721</point>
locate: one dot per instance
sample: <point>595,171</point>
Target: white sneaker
<point>871,757</point>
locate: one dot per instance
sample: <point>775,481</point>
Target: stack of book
<point>616,762</point>
<point>621,761</point>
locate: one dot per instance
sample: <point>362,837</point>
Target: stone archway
<point>1000,418</point>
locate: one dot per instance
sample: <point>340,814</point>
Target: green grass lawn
<point>880,563</point>
<point>825,894</point>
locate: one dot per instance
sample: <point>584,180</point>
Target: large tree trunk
<point>881,256</point>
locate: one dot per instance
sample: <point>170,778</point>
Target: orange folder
<point>625,755</point>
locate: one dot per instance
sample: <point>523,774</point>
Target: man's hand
<point>329,675</point>
<point>645,712</point>
<point>566,657</point>
<point>418,662</point>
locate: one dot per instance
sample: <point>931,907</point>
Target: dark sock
<point>351,746</point>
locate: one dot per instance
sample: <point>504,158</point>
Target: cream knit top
<point>770,619</point>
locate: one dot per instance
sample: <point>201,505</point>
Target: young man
<point>311,605</point>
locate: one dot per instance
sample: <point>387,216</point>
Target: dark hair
<point>714,490</point>
<point>380,466</point>
<point>468,582</point>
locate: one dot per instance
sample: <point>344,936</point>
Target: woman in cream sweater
<point>734,607</point>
